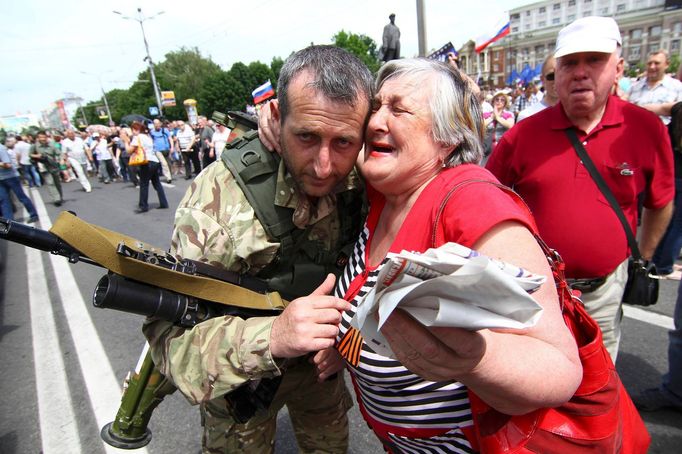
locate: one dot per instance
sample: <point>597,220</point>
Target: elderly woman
<point>423,138</point>
<point>497,122</point>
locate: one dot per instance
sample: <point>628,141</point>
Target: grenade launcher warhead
<point>147,281</point>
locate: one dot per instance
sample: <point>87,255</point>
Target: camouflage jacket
<point>214,223</point>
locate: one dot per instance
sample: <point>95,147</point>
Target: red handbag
<point>599,418</point>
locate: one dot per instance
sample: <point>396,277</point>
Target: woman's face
<point>499,102</point>
<point>400,153</point>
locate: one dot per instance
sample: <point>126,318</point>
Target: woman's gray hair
<point>337,75</point>
<point>455,109</point>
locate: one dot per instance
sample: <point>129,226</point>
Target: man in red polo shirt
<point>629,147</point>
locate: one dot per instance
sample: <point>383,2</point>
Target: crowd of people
<point>404,142</point>
<point>53,158</point>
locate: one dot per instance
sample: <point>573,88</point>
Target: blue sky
<point>47,44</point>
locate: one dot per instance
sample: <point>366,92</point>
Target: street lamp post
<point>141,18</point>
<point>104,95</point>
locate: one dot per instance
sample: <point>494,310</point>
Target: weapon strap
<point>100,244</point>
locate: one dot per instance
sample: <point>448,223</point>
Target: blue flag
<point>526,74</point>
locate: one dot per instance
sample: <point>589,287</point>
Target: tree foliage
<point>361,46</point>
<point>189,74</point>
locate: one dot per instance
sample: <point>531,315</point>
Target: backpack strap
<point>255,170</point>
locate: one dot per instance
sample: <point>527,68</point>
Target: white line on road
<point>58,426</point>
<point>649,317</point>
<point>103,388</point>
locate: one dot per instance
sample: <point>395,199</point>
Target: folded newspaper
<point>451,286</point>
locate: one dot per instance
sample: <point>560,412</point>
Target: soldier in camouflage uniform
<point>324,99</point>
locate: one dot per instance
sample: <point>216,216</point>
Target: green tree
<point>184,72</point>
<point>361,46</point>
<point>674,64</point>
<point>221,92</point>
<point>275,68</point>
<point>634,70</point>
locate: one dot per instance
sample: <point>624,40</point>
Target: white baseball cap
<point>588,34</point>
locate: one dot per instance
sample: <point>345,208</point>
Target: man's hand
<point>308,324</point>
<point>328,362</point>
<point>435,354</point>
<point>268,126</point>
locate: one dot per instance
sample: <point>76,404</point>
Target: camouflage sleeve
<point>218,355</point>
<point>214,357</point>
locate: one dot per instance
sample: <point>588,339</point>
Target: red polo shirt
<point>631,149</point>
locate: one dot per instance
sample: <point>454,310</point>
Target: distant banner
<point>263,92</point>
<point>62,114</point>
<point>442,53</point>
<point>167,98</point>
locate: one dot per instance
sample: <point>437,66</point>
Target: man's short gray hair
<point>455,109</point>
<point>661,51</point>
<point>337,75</point>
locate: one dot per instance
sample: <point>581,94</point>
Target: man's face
<point>42,138</point>
<point>320,139</point>
<point>547,74</point>
<point>157,124</point>
<point>70,135</point>
<point>656,66</point>
<point>584,81</point>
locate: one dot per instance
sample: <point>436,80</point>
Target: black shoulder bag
<point>642,286</point>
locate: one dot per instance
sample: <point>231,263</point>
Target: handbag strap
<point>603,187</point>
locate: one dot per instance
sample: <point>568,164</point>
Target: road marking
<point>103,388</point>
<point>58,427</point>
<point>649,317</point>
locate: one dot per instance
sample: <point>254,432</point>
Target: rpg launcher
<point>148,281</point>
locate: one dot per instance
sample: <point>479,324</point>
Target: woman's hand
<point>436,354</point>
<point>327,362</point>
<point>268,126</point>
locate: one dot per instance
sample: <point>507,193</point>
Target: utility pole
<point>421,28</point>
<point>104,95</point>
<point>141,18</point>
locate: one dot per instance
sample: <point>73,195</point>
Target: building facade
<point>646,25</point>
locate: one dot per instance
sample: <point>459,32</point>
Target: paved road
<point>63,360</point>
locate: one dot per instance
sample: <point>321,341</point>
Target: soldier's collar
<point>306,212</point>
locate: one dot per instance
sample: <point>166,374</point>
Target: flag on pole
<point>500,30</point>
<point>263,92</point>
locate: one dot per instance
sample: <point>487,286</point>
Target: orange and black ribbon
<point>350,346</point>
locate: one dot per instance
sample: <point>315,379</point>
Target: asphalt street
<point>63,360</point>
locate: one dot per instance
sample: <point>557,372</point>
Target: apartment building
<point>645,25</point>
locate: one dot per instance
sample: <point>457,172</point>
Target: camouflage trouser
<point>317,412</point>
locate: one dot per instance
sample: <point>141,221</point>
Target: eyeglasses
<point>499,100</point>
<point>549,77</point>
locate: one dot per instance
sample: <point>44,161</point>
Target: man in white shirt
<point>219,140</point>
<point>550,98</point>
<point>78,155</point>
<point>186,139</point>
<point>657,92</point>
<point>28,170</point>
